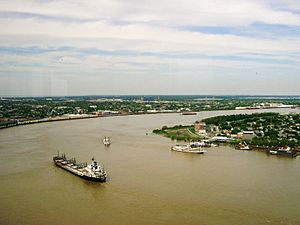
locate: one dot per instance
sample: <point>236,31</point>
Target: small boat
<point>91,172</point>
<point>106,141</point>
<point>283,151</point>
<point>243,146</point>
<point>187,149</point>
<point>213,145</point>
<point>273,152</point>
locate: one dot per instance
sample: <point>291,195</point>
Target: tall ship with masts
<point>91,172</point>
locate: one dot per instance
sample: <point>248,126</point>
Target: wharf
<point>293,152</point>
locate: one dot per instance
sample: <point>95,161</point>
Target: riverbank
<point>9,124</point>
<point>72,117</point>
<point>45,120</point>
<point>271,132</point>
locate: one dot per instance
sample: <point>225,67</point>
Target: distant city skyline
<point>114,47</point>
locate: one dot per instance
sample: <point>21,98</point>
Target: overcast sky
<point>77,47</point>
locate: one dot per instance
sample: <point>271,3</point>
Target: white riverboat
<point>188,148</point>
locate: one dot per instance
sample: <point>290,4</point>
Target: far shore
<point>72,117</point>
<point>90,116</point>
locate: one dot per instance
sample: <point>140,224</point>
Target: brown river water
<point>147,183</point>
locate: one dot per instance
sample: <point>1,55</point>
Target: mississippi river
<point>147,183</point>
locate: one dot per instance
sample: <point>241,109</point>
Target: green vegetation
<point>178,132</point>
<point>240,122</point>
<point>270,129</point>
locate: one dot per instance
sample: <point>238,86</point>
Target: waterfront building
<point>248,135</point>
<point>200,127</point>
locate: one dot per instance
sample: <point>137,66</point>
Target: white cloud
<point>156,26</point>
<point>137,37</point>
<point>175,12</point>
<point>146,27</point>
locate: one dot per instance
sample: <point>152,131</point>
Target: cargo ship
<point>91,172</point>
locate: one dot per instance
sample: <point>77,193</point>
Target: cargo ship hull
<point>83,172</point>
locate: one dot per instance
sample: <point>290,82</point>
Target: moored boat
<point>283,151</point>
<point>243,146</point>
<point>91,172</point>
<point>187,149</point>
<point>203,144</point>
<point>273,152</point>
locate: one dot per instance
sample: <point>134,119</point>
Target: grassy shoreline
<point>270,130</point>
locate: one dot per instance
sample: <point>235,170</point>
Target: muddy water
<point>148,184</point>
